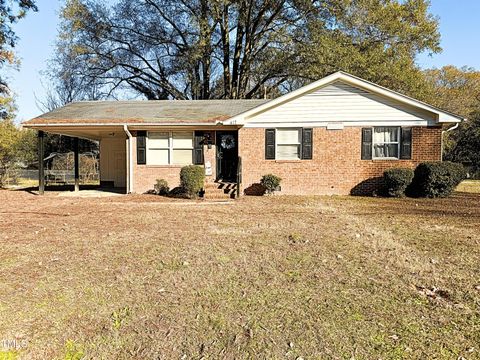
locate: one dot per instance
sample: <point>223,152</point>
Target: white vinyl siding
<point>113,162</point>
<point>344,103</point>
<point>169,148</point>
<point>288,144</point>
<point>386,143</point>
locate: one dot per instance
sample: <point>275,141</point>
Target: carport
<point>114,147</point>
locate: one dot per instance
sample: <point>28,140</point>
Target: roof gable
<point>340,102</point>
<point>328,86</point>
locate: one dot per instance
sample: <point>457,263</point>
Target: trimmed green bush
<point>397,180</point>
<point>270,182</point>
<point>192,179</point>
<point>436,179</point>
<point>161,187</point>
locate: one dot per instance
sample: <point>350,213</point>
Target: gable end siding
<point>341,102</point>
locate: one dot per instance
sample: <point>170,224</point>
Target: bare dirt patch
<point>278,277</point>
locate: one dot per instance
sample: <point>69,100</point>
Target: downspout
<point>130,160</point>
<point>444,132</point>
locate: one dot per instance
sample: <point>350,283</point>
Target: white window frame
<point>399,142</point>
<point>299,144</point>
<point>170,146</point>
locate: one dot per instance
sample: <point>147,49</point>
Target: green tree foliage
<point>466,143</point>
<point>455,89</point>
<point>375,40</point>
<point>201,49</point>
<point>15,144</point>
<point>10,12</point>
<point>458,90</point>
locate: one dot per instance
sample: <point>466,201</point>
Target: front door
<point>227,155</point>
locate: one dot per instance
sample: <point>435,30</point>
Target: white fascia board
<point>442,116</point>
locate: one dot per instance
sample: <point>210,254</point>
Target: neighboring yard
<point>136,277</point>
<point>472,186</point>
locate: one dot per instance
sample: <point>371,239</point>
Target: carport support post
<point>76,165</point>
<point>41,156</point>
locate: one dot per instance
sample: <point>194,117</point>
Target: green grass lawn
<point>138,277</point>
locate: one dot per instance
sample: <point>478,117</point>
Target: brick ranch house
<point>334,136</point>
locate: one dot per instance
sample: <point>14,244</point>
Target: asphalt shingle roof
<point>161,111</point>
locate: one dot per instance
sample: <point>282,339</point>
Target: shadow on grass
<point>369,187</point>
<point>60,188</point>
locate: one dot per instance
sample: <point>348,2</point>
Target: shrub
<point>192,179</point>
<point>270,182</point>
<point>397,180</point>
<point>161,187</point>
<point>436,179</point>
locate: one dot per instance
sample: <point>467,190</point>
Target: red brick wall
<point>336,167</point>
<point>145,176</point>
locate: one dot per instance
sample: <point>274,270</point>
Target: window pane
<point>385,134</point>
<point>182,157</point>
<point>158,139</point>
<point>157,157</point>
<point>288,136</point>
<point>288,152</point>
<point>182,140</point>
<point>386,151</point>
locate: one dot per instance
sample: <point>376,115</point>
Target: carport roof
<point>140,112</point>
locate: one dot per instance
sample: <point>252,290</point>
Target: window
<point>288,144</point>
<point>182,148</point>
<point>158,148</point>
<point>386,142</point>
<point>170,148</point>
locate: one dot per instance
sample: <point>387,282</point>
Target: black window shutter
<point>367,138</point>
<point>307,144</point>
<point>406,144</point>
<point>270,144</point>
<point>141,147</point>
<point>198,148</point>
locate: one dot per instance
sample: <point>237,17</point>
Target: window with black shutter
<point>367,138</point>
<point>307,144</point>
<point>270,144</point>
<point>406,144</point>
<point>198,148</point>
<point>141,147</point>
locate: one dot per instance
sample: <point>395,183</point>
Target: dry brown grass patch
<point>276,277</point>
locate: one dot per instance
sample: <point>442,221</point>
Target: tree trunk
<point>225,33</point>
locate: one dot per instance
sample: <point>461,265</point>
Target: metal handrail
<point>239,175</point>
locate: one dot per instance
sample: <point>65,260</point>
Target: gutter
<point>130,160</point>
<point>116,124</point>
<point>446,131</point>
